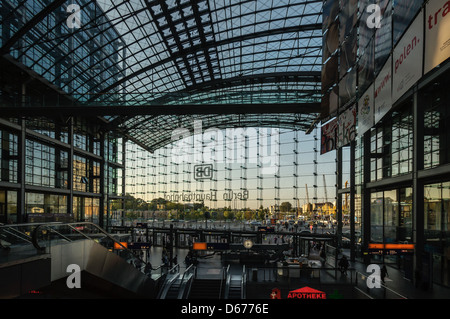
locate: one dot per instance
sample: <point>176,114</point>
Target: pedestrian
<point>323,255</point>
<point>343,265</point>
<point>148,268</point>
<point>383,273</point>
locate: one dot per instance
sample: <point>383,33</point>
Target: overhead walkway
<point>35,259</point>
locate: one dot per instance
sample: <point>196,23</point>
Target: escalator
<point>235,285</point>
<point>35,257</point>
<point>206,289</point>
<point>177,285</point>
<point>229,285</point>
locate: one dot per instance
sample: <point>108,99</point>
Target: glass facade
<point>180,53</point>
<point>47,179</point>
<point>437,229</point>
<point>392,145</point>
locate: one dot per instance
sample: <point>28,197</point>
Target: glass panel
<point>433,208</point>
<point>405,217</point>
<point>390,216</point>
<point>376,217</point>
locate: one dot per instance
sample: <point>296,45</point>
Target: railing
<point>381,292</point>
<point>17,234</point>
<point>244,283</point>
<point>41,237</point>
<point>277,273</point>
<point>227,278</point>
<point>60,232</point>
<point>172,276</point>
<point>186,282</point>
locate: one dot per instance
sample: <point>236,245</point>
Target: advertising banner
<point>346,127</point>
<point>366,111</point>
<point>408,59</point>
<point>328,137</point>
<point>383,91</point>
<point>437,33</point>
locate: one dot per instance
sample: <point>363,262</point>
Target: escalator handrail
<point>244,283</point>
<point>168,282</point>
<point>227,282</point>
<point>10,228</point>
<point>188,275</point>
<point>73,227</point>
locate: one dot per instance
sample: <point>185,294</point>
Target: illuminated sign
<point>307,293</point>
<point>121,245</point>
<point>266,229</point>
<point>210,246</point>
<point>390,249</point>
<point>199,246</point>
<point>139,246</point>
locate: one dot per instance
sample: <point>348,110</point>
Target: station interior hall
<point>205,149</point>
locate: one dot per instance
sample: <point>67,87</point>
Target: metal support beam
<point>30,24</point>
<point>113,110</point>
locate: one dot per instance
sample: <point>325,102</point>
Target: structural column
<point>418,192</point>
<point>365,200</point>
<point>352,200</point>
<point>124,148</point>
<point>21,212</point>
<point>70,183</point>
<point>339,195</point>
<point>103,189</point>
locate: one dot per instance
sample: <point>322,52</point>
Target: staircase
<point>206,289</point>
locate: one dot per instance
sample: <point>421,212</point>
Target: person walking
<point>343,265</point>
<point>383,273</point>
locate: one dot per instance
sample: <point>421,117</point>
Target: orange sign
<point>118,246</point>
<point>392,246</point>
<point>199,246</point>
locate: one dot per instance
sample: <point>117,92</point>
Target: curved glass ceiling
<point>143,52</point>
<point>176,52</point>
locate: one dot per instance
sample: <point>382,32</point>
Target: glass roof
<point>143,52</point>
<point>181,51</point>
